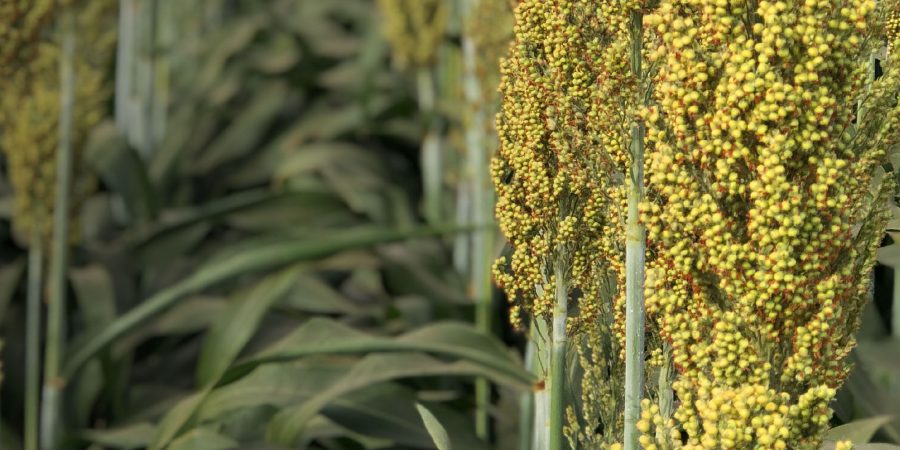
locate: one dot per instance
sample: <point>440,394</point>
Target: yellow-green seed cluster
<point>415,29</point>
<point>561,155</point>
<point>29,113</point>
<point>23,23</point>
<point>568,99</point>
<point>761,217</point>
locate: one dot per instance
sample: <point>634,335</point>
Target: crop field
<point>449,225</point>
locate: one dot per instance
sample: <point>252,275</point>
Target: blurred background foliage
<point>255,269</point>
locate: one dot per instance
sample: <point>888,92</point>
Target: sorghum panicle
<point>569,98</point>
<point>23,24</point>
<point>415,29</point>
<point>29,112</point>
<point>761,215</point>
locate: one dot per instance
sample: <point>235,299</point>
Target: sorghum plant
<point>29,109</point>
<point>568,101</point>
<point>31,139</point>
<point>768,202</point>
<point>415,29</point>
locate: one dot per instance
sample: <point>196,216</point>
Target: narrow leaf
<point>234,329</point>
<point>435,429</point>
<point>859,431</point>
<point>263,257</point>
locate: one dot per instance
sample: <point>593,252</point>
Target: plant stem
<point>33,342</point>
<point>634,258</point>
<point>482,207</point>
<point>51,410</point>
<point>432,164</point>
<point>558,360</point>
<point>541,423</point>
<point>526,400</point>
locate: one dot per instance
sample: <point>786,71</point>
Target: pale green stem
<point>124,64</point>
<point>526,400</point>
<point>51,404</point>
<point>558,360</point>
<point>482,207</point>
<point>462,243</point>
<point>432,159</point>
<point>634,261</point>
<point>150,56</point>
<point>33,342</point>
<point>541,423</point>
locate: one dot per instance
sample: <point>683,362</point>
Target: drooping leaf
<point>123,171</point>
<point>246,130</point>
<point>265,257</point>
<point>859,431</point>
<point>234,329</point>
<point>203,439</point>
<point>321,336</point>
<point>435,429</point>
<point>289,425</point>
<point>136,435</point>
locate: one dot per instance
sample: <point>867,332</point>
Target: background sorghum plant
<point>415,29</point>
<point>23,24</point>
<point>767,206</point>
<point>29,112</point>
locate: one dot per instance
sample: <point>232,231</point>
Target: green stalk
<point>526,400</point>
<point>634,259</point>
<point>540,338</point>
<point>51,406</point>
<point>558,360</point>
<point>432,170</point>
<point>124,65</point>
<point>33,342</point>
<point>482,209</point>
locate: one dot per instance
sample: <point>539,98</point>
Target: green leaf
<point>95,295</point>
<point>191,315</point>
<point>152,235</point>
<point>203,439</point>
<point>859,431</point>
<point>263,257</point>
<point>278,56</point>
<point>234,329</point>
<point>882,364</point>
<point>388,411</point>
<point>322,336</point>
<point>435,429</point>
<point>278,385</point>
<point>312,295</point>
<point>123,171</point>
<point>136,435</point>
<point>867,398</point>
<point>246,131</point>
<point>176,419</point>
<point>96,299</point>
<point>478,354</point>
<point>289,425</point>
